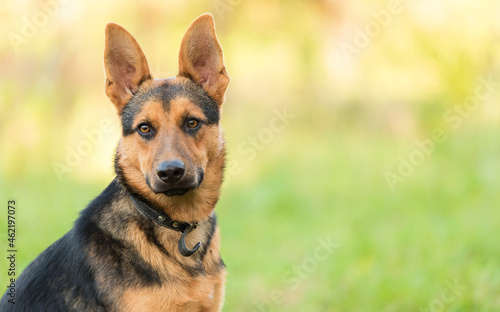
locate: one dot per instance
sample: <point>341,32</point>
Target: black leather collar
<point>165,221</point>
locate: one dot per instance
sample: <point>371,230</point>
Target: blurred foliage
<point>322,175</point>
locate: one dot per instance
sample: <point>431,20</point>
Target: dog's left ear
<point>201,59</point>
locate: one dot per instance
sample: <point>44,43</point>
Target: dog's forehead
<point>167,91</point>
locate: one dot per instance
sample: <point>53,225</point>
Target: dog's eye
<point>192,123</point>
<point>144,128</point>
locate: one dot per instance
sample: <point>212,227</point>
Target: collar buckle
<point>164,220</point>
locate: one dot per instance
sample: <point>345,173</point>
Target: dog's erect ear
<point>201,60</point>
<point>125,65</point>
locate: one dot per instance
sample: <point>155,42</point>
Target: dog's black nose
<point>170,171</point>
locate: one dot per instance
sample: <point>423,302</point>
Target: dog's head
<point>172,150</point>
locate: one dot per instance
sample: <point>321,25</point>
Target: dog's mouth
<point>177,189</point>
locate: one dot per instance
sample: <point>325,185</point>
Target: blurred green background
<point>330,121</point>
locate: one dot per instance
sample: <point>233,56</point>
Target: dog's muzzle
<point>173,180</point>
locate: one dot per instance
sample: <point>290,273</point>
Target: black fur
<point>166,92</point>
<point>63,271</point>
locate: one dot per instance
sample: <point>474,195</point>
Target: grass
<point>395,250</point>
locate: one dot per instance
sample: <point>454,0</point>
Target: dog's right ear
<point>125,65</point>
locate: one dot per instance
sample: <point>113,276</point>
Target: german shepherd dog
<point>150,240</point>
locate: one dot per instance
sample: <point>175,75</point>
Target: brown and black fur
<point>115,258</point>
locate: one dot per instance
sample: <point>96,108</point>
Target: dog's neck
<point>165,221</point>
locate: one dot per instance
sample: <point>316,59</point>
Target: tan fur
<point>201,60</point>
<point>205,292</point>
<point>202,295</point>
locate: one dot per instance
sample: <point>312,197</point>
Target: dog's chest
<point>198,294</point>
